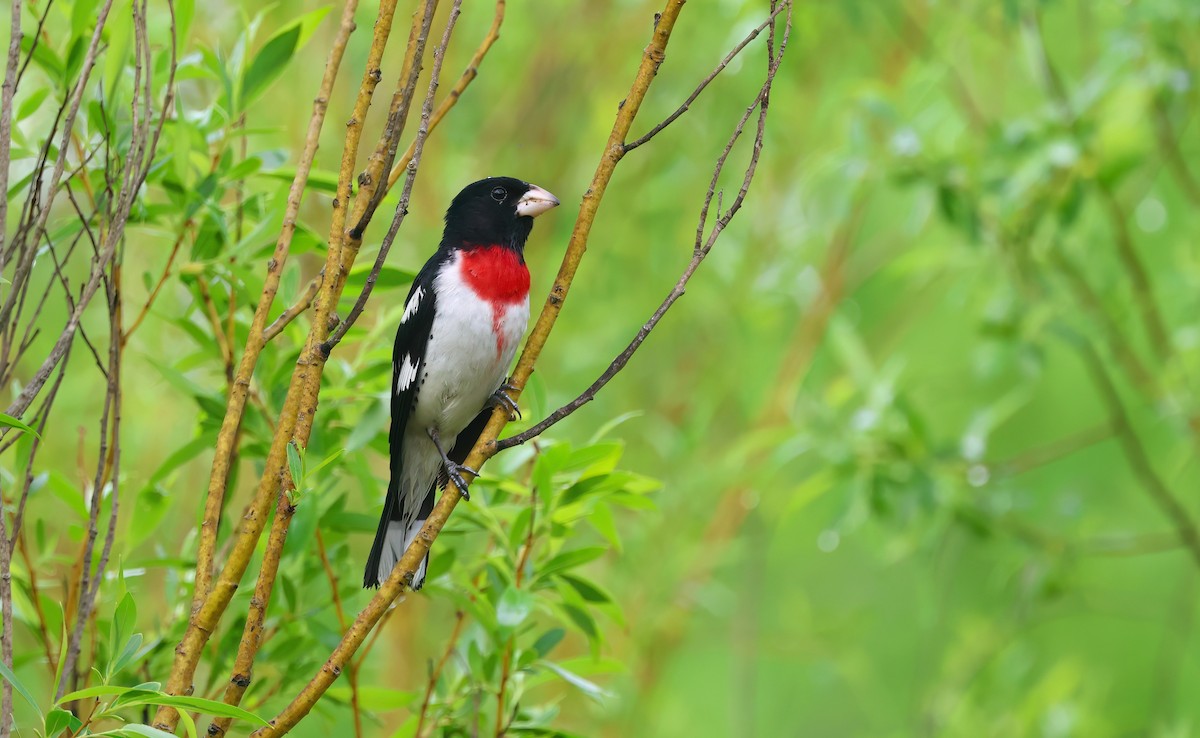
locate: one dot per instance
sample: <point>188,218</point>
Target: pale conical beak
<point>535,202</point>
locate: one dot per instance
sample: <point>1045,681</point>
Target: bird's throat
<point>499,277</point>
<point>496,274</point>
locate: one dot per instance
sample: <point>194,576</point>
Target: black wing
<point>408,363</point>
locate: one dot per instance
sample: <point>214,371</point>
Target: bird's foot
<point>451,470</point>
<point>501,398</point>
<point>454,474</point>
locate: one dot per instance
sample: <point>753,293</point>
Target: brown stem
<point>252,632</point>
<point>306,298</point>
<point>469,74</point>
<point>214,319</point>
<point>7,92</point>
<point>506,665</point>
<point>162,279</point>
<point>293,311</point>
<point>460,619</point>
<point>143,142</point>
<point>1135,453</point>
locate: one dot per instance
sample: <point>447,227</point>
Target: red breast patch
<point>496,275</point>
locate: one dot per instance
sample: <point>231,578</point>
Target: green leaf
<point>8,674</point>
<point>570,560</point>
<point>62,650</point>
<point>586,623</point>
<point>197,704</point>
<point>588,590</point>
<point>514,607</point>
<point>601,518</point>
<point>389,277</point>
<point>591,689</point>
<point>11,422</point>
<point>127,654</point>
<point>81,17</point>
<point>295,465</point>
<point>58,720</point>
<point>124,618</point>
<point>32,103</point>
<point>269,63</point>
<point>548,640</point>
<point>107,690</point>
<point>134,730</point>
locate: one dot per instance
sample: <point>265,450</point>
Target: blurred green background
<point>912,420</point>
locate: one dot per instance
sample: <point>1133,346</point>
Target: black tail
<point>394,533</point>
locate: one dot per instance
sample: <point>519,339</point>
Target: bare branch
<point>1134,451</point>
<point>6,113</point>
<point>700,250</point>
<point>239,389</point>
<point>704,83</point>
<point>293,311</point>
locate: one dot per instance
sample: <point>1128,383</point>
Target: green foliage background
<point>894,498</point>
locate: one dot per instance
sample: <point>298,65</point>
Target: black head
<point>496,210</point>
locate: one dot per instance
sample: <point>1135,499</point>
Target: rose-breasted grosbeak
<point>464,316</point>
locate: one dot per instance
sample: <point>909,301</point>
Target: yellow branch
<point>402,573</point>
<point>299,405</point>
<point>240,387</point>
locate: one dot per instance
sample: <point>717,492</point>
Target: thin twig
<point>705,82</point>
<point>252,631</point>
<point>162,279</point>
<point>60,161</point>
<point>7,92</point>
<point>214,319</point>
<point>1134,451</point>
<point>469,74</point>
<point>293,311</point>
<point>700,250</point>
<point>506,663</point>
<point>142,145</point>
<point>460,619</point>
<point>6,612</point>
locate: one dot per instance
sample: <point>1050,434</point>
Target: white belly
<point>470,351</point>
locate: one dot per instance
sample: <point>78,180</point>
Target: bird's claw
<point>454,472</point>
<point>501,397</point>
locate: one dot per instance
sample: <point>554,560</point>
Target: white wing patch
<point>411,307</point>
<point>406,374</point>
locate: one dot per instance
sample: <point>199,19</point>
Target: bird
<point>465,313</point>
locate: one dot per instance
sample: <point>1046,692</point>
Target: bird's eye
<point>499,193</point>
